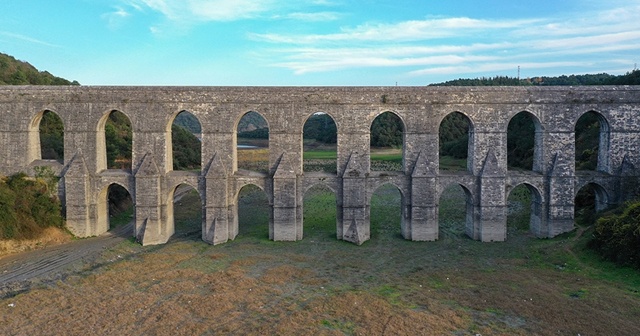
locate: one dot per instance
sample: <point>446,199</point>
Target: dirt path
<point>20,271</point>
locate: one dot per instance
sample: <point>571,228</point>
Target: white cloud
<point>309,17</point>
<point>204,10</point>
<point>414,30</point>
<point>115,18</point>
<point>464,45</point>
<point>27,39</point>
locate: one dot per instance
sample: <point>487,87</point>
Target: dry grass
<point>50,236</point>
<point>322,286</point>
<point>254,159</point>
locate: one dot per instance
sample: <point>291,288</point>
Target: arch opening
<point>320,213</point>
<point>592,142</point>
<point>252,143</point>
<point>185,135</point>
<point>184,212</point>
<point>455,213</point>
<point>51,136</point>
<point>253,212</point>
<point>589,200</point>
<point>455,136</point>
<point>116,211</point>
<point>524,142</point>
<point>386,214</point>
<point>115,142</point>
<point>387,142</point>
<point>524,210</point>
<point>320,137</point>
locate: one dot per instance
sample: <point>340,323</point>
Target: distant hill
<point>630,78</point>
<point>15,72</point>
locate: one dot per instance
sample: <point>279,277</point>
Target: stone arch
<point>387,199</point>
<point>535,136</point>
<point>457,141</point>
<point>321,140</point>
<point>260,212</point>
<point>604,136</point>
<point>469,226</point>
<point>320,213</point>
<point>376,138</point>
<point>602,196</point>
<point>102,206</point>
<point>101,142</point>
<point>35,148</point>
<point>169,152</point>
<point>182,189</point>
<point>536,204</point>
<point>236,157</point>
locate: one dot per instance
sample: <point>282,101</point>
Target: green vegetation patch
<point>27,207</point>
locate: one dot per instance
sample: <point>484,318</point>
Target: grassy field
<point>323,286</point>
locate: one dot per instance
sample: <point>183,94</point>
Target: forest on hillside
<point>15,72</point>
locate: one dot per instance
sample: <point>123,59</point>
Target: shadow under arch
<point>185,130</point>
<point>252,213</point>
<point>320,221</point>
<point>455,142</point>
<point>590,198</point>
<point>387,135</point>
<point>319,143</point>
<point>251,131</point>
<point>524,209</point>
<point>453,223</point>
<point>115,210</point>
<point>525,142</point>
<point>592,137</point>
<point>387,213</point>
<point>114,141</point>
<point>185,211</point>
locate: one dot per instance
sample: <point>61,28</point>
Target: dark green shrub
<point>617,236</point>
<point>27,208</point>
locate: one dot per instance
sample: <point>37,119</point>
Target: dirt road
<point>21,271</point>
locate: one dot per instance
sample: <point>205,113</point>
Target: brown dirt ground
<point>322,286</point>
<point>50,237</point>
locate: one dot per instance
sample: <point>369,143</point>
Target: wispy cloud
<point>116,17</point>
<point>415,30</point>
<point>310,17</point>
<point>203,10</point>
<point>27,39</point>
<point>224,10</point>
<point>446,45</point>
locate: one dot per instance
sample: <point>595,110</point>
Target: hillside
<point>15,72</point>
<point>630,78</point>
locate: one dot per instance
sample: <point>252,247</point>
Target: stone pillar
<point>76,180</point>
<point>538,221</point>
<point>285,222</point>
<point>216,227</point>
<point>560,182</point>
<point>628,181</point>
<point>355,208</point>
<point>423,222</point>
<point>151,224</point>
<point>491,208</point>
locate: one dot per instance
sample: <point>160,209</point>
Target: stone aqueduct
<point>152,182</point>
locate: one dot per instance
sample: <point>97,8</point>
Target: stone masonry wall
<point>151,181</point>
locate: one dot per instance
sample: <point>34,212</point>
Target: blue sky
<point>318,42</point>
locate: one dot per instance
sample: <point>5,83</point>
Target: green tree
<point>186,149</point>
<point>386,131</point>
<point>617,236</point>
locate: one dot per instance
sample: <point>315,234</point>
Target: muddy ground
<point>322,286</point>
